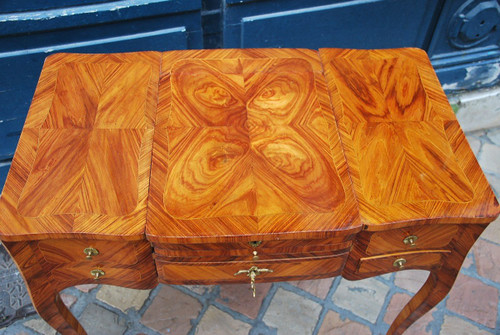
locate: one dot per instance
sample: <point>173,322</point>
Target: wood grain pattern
<point>71,251</point>
<point>428,237</point>
<point>45,280</point>
<point>414,260</point>
<point>407,156</point>
<point>223,272</point>
<point>83,160</point>
<point>246,146</point>
<point>298,149</point>
<point>438,283</point>
<point>444,265</point>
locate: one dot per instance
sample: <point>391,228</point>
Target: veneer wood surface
<point>246,147</point>
<point>332,159</point>
<point>83,161</point>
<point>408,159</point>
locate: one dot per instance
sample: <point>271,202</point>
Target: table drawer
<point>223,272</point>
<point>425,237</point>
<point>282,252</point>
<point>109,274</point>
<point>246,248</point>
<point>66,251</point>
<point>400,261</point>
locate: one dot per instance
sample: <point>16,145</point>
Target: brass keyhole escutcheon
<point>90,252</point>
<point>255,244</point>
<point>252,273</point>
<point>411,240</point>
<point>399,263</point>
<point>97,273</point>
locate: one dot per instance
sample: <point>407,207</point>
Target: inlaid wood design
<point>246,144</point>
<point>83,160</point>
<point>211,149</point>
<point>407,156</point>
<point>412,162</point>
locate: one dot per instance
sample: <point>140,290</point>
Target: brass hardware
<point>255,256</point>
<point>411,240</point>
<point>255,244</point>
<point>97,273</point>
<point>90,252</point>
<point>399,263</point>
<point>252,273</point>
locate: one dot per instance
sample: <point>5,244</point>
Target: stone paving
<point>320,307</point>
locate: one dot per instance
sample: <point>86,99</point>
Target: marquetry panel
<point>246,145</point>
<point>408,158</point>
<point>83,160</point>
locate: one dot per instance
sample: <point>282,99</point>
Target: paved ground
<point>322,307</point>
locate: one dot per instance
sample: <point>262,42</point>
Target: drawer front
<point>400,261</point>
<point>217,272</point>
<point>245,250</point>
<point>72,251</point>
<point>427,237</point>
<point>108,275</point>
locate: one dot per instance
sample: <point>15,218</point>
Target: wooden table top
<point>82,164</point>
<point>408,158</point>
<point>247,144</point>
<point>239,145</point>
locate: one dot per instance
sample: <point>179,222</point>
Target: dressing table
<point>240,165</point>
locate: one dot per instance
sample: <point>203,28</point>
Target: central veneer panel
<point>246,147</point>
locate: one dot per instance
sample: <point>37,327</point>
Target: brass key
<point>252,273</point>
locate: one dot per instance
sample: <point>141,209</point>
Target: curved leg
<point>430,294</point>
<point>438,283</point>
<point>43,291</point>
<point>44,286</point>
<point>51,308</point>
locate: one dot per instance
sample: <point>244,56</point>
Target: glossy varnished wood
<point>246,147</point>
<point>331,159</point>
<point>428,237</point>
<point>408,158</point>
<point>223,272</point>
<point>46,279</point>
<point>83,161</point>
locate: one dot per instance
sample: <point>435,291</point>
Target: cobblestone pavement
<point>323,307</point>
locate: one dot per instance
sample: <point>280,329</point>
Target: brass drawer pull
<point>97,273</point>
<point>411,240</point>
<point>252,273</point>
<point>90,252</point>
<point>255,244</point>
<point>399,263</point>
